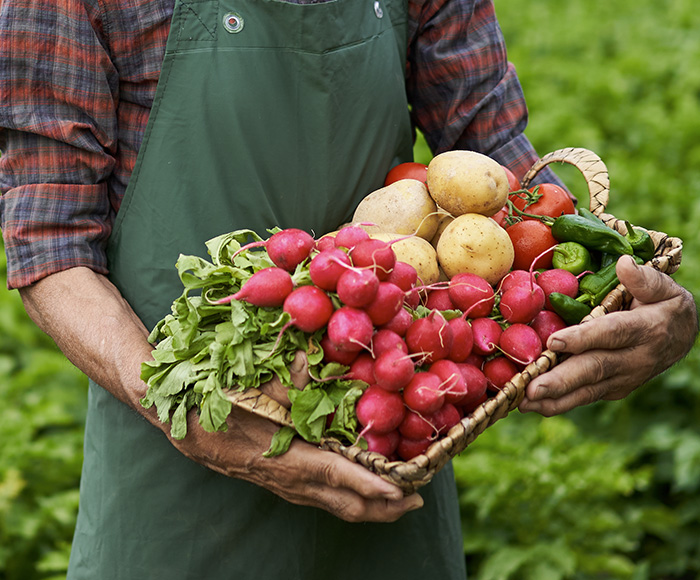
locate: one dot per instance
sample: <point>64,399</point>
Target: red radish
<point>521,344</point>
<point>362,368</point>
<point>498,371</point>
<point>379,410</point>
<point>462,339</point>
<point>383,443</point>
<point>393,370</point>
<point>430,337</point>
<point>514,278</point>
<point>350,329</point>
<point>453,384</point>
<point>486,333</point>
<point>546,323</point>
<point>289,248</point>
<point>410,448</point>
<point>325,243</point>
<point>424,393</point>
<point>400,323</point>
<point>331,353</point>
<point>374,254</point>
<point>267,287</point>
<point>521,303</point>
<point>417,426</point>
<point>385,339</point>
<point>412,299</point>
<point>357,287</point>
<point>557,280</point>
<point>327,266</point>
<point>386,304</point>
<point>403,275</point>
<point>446,417</point>
<point>476,384</point>
<point>469,408</point>
<point>439,299</point>
<point>476,360</point>
<point>472,294</point>
<point>310,308</point>
<point>349,236</point>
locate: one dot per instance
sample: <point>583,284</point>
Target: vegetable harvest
<point>395,360</point>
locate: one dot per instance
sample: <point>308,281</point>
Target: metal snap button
<point>233,22</point>
<point>378,9</point>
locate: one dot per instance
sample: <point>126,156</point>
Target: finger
<point>299,369</point>
<point>609,389</point>
<point>341,487</point>
<point>612,331</point>
<point>299,372</point>
<point>644,283</point>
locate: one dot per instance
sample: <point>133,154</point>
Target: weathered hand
<point>615,354</point>
<point>304,475</point>
<point>100,333</point>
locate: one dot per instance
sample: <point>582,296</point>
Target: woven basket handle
<point>589,164</point>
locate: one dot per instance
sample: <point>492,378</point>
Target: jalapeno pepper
<point>641,242</point>
<point>572,257</point>
<point>593,235</point>
<point>589,215</point>
<point>594,287</point>
<point>571,310</point>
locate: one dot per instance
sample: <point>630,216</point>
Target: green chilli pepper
<point>593,235</point>
<point>571,310</point>
<point>594,287</point>
<point>572,257</point>
<point>641,242</point>
<point>589,215</point>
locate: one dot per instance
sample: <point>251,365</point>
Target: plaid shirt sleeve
<point>77,79</point>
<point>58,139</point>
<point>463,91</point>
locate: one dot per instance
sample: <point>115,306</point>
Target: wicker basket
<point>413,474</point>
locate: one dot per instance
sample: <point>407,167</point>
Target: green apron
<point>266,114</point>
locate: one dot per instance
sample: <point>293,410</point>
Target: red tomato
<point>513,183</point>
<point>530,239</point>
<point>410,170</point>
<point>554,202</point>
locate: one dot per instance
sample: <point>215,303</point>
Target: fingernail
<point>557,344</point>
<point>416,502</point>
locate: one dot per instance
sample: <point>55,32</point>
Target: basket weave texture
<point>417,472</point>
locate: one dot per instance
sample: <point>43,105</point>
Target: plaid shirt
<point>78,77</point>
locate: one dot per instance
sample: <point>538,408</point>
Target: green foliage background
<point>606,491</point>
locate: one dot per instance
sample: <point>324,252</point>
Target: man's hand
<point>615,354</point>
<point>99,332</point>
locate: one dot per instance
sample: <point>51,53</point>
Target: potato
<point>467,182</point>
<point>476,244</point>
<point>415,251</point>
<point>403,207</point>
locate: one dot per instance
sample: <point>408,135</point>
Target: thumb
<point>644,283</point>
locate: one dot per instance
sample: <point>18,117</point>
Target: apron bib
<point>266,114</point>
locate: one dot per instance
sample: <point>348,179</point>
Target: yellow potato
<point>415,251</point>
<point>467,182</point>
<point>403,207</point>
<point>476,244</point>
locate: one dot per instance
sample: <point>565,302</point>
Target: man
<point>259,114</point>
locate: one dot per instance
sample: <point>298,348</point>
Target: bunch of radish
<point>429,355</point>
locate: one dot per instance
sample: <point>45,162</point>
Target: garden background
<point>606,491</point>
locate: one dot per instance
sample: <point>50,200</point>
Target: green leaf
<point>281,441</point>
<point>309,410</point>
